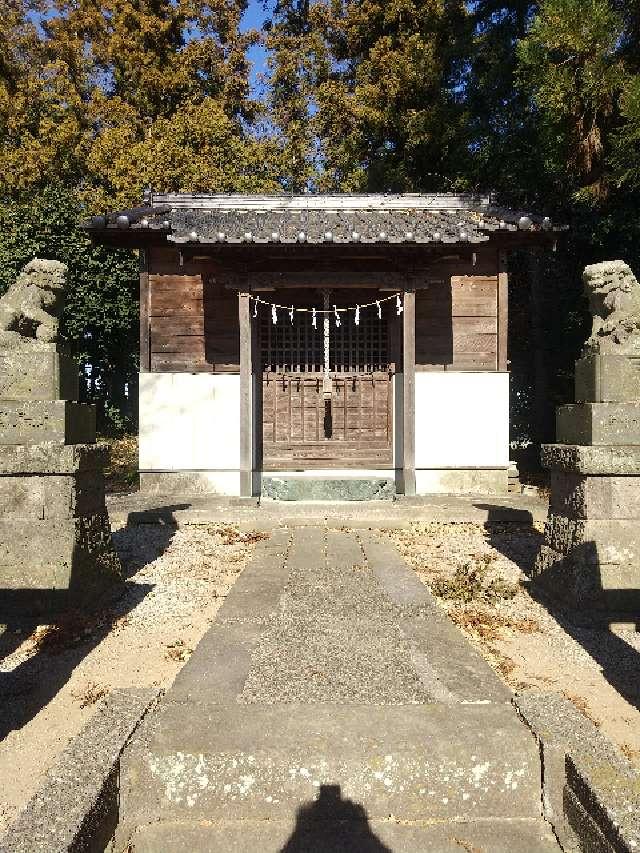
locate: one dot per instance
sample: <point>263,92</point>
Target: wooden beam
<point>246,396</point>
<point>409,392</point>
<point>503,312</point>
<point>145,335</point>
<point>319,279</point>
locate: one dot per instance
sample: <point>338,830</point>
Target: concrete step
<point>199,761</point>
<point>323,488</point>
<point>357,836</point>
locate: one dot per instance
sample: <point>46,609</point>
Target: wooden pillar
<point>409,392</point>
<point>145,337</point>
<point>246,396</point>
<point>503,312</point>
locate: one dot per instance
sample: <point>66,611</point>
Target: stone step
<point>438,762</point>
<point>356,836</point>
<point>283,488</point>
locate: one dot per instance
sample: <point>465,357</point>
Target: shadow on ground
<point>146,536</point>
<point>332,823</point>
<point>73,633</point>
<point>588,625</point>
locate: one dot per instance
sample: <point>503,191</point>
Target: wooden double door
<point>342,418</point>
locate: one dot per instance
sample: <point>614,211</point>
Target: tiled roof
<point>411,218</point>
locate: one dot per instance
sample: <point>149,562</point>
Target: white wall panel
<point>462,420</point>
<point>189,422</point>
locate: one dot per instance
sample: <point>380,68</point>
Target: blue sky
<point>253,18</point>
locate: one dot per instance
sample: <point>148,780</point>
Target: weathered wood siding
<point>460,315</point>
<point>193,318</point>
<point>457,316</point>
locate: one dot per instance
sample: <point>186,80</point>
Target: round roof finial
<point>122,221</point>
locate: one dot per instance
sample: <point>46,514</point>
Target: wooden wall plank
<point>193,322</point>
<point>503,311</point>
<point>145,348</point>
<point>457,323</point>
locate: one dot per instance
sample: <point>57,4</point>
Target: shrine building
<point>294,344</point>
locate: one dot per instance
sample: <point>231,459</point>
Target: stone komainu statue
<point>31,306</point>
<point>614,302</point>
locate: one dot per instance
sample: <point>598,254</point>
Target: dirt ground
<point>53,676</point>
<point>479,575</point>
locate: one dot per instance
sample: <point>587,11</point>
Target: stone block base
<point>38,371</point>
<point>607,378</point>
<point>327,488</point>
<point>55,538</point>
<point>35,421</point>
<point>591,553</point>
<point>462,481</point>
<point>579,496</point>
<point>42,497</point>
<point>599,423</point>
<point>182,484</point>
<point>71,561</point>
<point>603,460</point>
<point>581,581</point>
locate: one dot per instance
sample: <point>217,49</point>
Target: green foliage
<point>102,100</point>
<point>100,316</point>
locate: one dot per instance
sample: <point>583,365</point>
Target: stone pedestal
<point>591,553</point>
<point>55,539</point>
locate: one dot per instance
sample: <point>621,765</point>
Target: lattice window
<point>299,348</point>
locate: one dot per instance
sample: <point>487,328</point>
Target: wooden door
<point>304,429</point>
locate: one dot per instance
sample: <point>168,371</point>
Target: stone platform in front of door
<point>267,514</point>
<point>327,484</point>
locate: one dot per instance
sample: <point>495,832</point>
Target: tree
<point>99,100</point>
<point>100,316</point>
<point>381,86</point>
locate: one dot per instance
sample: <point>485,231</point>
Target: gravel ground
<point>53,676</point>
<point>479,575</point>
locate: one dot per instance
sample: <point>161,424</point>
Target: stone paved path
<point>333,707</point>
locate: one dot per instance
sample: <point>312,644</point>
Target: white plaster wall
<point>462,420</point>
<point>189,422</point>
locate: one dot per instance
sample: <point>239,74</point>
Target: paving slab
<point>307,836</point>
<point>411,762</point>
